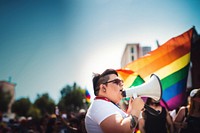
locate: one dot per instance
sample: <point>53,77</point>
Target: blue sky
<point>47,44</point>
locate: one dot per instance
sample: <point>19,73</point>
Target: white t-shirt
<point>97,112</point>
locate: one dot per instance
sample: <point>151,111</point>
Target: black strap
<point>151,110</point>
<point>186,112</point>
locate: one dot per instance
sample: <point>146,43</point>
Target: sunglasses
<point>115,81</point>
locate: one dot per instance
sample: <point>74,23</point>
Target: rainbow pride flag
<point>170,62</point>
<point>87,96</point>
<point>130,78</point>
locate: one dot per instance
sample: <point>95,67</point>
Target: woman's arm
<point>169,122</point>
<point>179,119</point>
<point>117,124</point>
<point>141,125</point>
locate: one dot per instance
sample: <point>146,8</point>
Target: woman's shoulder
<point>182,111</point>
<point>183,107</point>
<point>102,104</point>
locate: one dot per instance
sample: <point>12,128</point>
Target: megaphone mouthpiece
<point>124,93</point>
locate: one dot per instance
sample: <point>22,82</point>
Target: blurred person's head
<point>151,101</point>
<point>195,99</point>
<point>195,94</point>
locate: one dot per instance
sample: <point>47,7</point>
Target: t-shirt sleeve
<point>104,109</point>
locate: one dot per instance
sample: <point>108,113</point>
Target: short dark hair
<point>150,102</point>
<point>101,78</point>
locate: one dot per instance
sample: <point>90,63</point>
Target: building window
<point>145,50</point>
<point>132,50</point>
<point>132,58</point>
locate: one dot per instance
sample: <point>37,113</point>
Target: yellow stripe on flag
<point>171,68</point>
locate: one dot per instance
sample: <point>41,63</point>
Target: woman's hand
<point>135,106</point>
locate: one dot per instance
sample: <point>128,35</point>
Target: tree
<point>72,98</point>
<point>34,112</point>
<point>21,106</point>
<point>45,104</point>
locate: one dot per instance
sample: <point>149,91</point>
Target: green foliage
<point>72,98</point>
<point>42,105</point>
<point>45,104</point>
<point>21,107</point>
<point>66,91</point>
<point>34,112</point>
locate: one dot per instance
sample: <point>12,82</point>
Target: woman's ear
<point>103,87</point>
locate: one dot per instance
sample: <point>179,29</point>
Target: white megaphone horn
<point>152,89</point>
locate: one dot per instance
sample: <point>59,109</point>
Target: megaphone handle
<point>151,110</point>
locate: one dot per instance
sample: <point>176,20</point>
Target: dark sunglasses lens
<point>117,81</point>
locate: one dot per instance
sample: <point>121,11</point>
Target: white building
<point>133,52</point>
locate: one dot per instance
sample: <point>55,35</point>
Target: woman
<point>161,123</point>
<point>103,114</point>
<point>187,119</point>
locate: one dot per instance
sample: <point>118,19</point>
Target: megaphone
<point>152,89</point>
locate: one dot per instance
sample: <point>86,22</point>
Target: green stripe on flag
<point>175,77</point>
<point>138,81</point>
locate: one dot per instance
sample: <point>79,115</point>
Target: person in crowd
<point>187,119</point>
<point>51,125</point>
<point>81,122</point>
<point>161,123</point>
<point>103,114</point>
<point>72,123</point>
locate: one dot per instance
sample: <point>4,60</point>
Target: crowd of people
<point>106,114</point>
<point>61,123</point>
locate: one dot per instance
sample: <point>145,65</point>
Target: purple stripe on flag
<point>174,90</point>
<point>176,101</point>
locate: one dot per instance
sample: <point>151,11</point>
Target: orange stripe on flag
<point>168,52</point>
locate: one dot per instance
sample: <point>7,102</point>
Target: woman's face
<point>114,87</point>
